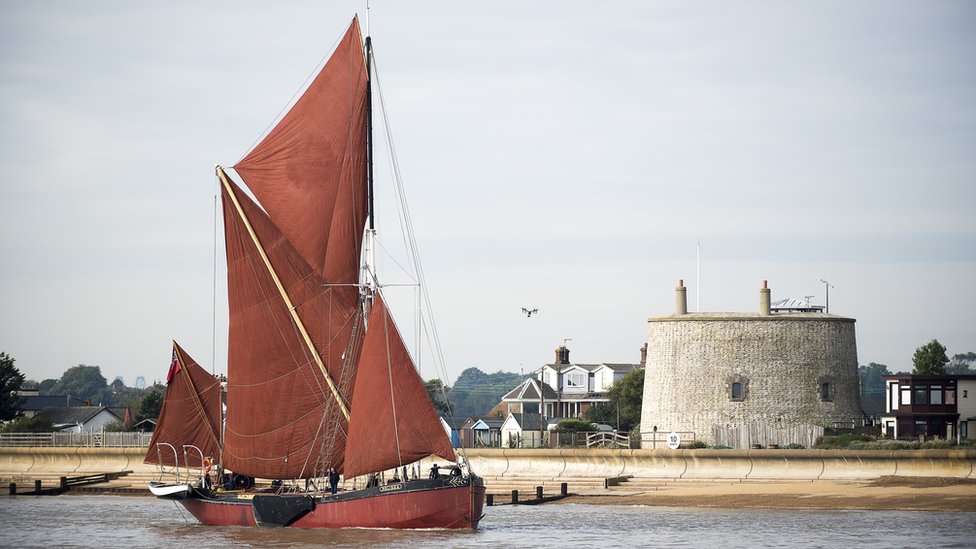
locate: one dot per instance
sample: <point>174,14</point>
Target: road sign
<point>674,441</point>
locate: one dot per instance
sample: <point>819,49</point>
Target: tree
<point>626,397</point>
<point>930,359</point>
<point>870,375</point>
<point>151,404</point>
<point>44,387</point>
<point>437,392</point>
<point>962,363</point>
<point>10,381</point>
<point>84,383</point>
<point>36,424</point>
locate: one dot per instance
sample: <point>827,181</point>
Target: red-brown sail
<point>281,415</point>
<point>393,421</point>
<point>308,173</point>
<point>190,414</point>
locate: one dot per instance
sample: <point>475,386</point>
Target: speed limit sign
<point>674,441</point>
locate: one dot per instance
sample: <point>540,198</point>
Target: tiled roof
<point>73,415</point>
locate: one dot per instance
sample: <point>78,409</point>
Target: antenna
<point>566,339</point>
<point>827,287</point>
<point>698,278</point>
<point>367,17</point>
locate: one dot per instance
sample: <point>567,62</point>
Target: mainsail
<point>297,309</point>
<point>190,414</point>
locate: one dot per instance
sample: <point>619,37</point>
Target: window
<point>935,394</point>
<point>576,379</point>
<point>906,396</point>
<point>737,388</point>
<point>950,396</point>
<point>825,391</point>
<point>921,395</point>
<point>893,396</point>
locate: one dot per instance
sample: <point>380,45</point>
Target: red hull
<point>453,507</point>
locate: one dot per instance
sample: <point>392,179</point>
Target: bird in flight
<point>529,312</point>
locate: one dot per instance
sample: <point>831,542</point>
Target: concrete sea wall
<point>723,464</point>
<point>569,463</point>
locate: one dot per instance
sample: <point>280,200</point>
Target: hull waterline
<point>452,507</point>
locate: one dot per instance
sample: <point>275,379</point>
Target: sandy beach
<point>885,493</point>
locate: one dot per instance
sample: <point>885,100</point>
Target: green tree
<point>475,393</point>
<point>930,359</point>
<point>574,426</point>
<point>36,424</point>
<point>438,392</point>
<point>84,383</point>
<point>151,404</point>
<point>962,363</point>
<point>10,381</point>
<point>626,397</point>
<point>44,387</point>
<point>870,376</point>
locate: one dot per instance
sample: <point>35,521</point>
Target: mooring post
<point>563,488</point>
<point>491,499</point>
<point>13,488</point>
<point>37,487</point>
<point>538,492</point>
<point>514,496</point>
<point>64,484</point>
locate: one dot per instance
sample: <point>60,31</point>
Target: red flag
<point>174,367</point>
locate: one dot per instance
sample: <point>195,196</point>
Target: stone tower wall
<point>781,362</point>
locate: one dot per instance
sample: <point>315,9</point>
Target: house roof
<point>621,367</point>
<point>530,422</point>
<point>529,390</point>
<point>72,415</point>
<point>38,403</point>
<point>455,423</point>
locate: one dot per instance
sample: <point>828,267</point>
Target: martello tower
<point>776,376</point>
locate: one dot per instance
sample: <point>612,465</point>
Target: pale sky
<point>565,156</point>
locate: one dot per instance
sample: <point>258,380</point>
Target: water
<point>108,522</point>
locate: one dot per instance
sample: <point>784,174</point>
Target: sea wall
<point>569,463</point>
<point>723,464</point>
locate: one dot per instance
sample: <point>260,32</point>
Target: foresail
<point>308,173</point>
<point>283,421</point>
<point>190,414</point>
<point>393,421</point>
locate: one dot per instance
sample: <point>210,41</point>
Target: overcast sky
<point>565,156</point>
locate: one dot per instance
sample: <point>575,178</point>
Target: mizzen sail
<point>190,414</point>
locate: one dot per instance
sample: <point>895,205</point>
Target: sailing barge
<point>319,380</point>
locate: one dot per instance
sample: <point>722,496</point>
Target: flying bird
<point>529,312</point>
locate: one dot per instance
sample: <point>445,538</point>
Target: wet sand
<point>885,493</point>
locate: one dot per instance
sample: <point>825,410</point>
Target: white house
<point>567,390</point>
<point>79,419</point>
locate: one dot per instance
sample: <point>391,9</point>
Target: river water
<point>108,522</point>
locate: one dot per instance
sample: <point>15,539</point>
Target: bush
<point>720,447</point>
<point>693,445</point>
<point>36,424</point>
<point>794,446</point>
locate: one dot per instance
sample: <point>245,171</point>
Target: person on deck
<point>434,471</point>
<point>333,480</point>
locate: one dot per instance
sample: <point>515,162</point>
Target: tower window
<point>825,390</point>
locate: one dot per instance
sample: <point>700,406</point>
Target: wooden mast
<point>281,290</point>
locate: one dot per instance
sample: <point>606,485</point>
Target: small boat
<point>319,381</point>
